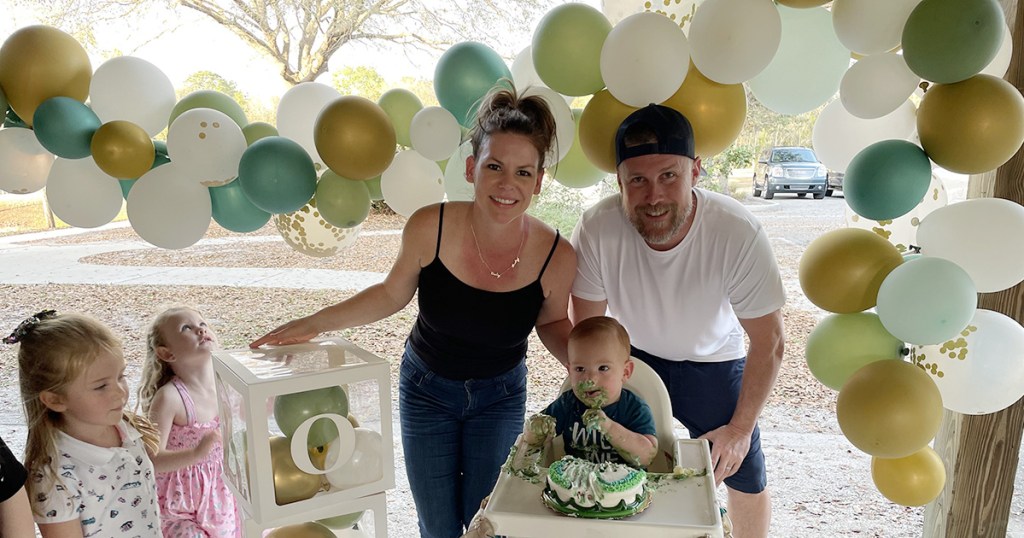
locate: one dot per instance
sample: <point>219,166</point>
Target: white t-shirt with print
<point>683,303</point>
<point>112,491</point>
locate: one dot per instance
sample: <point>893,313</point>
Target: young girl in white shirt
<point>89,471</point>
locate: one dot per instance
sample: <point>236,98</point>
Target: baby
<point>598,419</point>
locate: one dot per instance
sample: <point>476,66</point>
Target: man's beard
<point>655,234</point>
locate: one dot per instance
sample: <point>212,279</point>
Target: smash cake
<point>579,488</point>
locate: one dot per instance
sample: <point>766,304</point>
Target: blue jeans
<point>456,436</point>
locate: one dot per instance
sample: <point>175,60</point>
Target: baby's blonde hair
<point>52,353</point>
<point>155,372</point>
<point>601,326</point>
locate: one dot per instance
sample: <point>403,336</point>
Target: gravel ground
<point>821,486</point>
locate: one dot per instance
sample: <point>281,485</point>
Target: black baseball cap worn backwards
<point>672,131</point>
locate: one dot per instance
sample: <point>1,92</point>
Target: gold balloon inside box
<point>307,435</point>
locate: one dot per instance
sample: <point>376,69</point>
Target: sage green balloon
<point>887,179</point>
<point>575,170</point>
<point>291,410</point>
<point>373,185</point>
<point>257,130</point>
<point>463,76</point>
<point>566,49</point>
<point>842,343</point>
<point>400,105</point>
<point>64,126</point>
<point>947,41</point>
<point>346,521</point>
<point>209,99</point>
<point>233,210</point>
<point>342,202</point>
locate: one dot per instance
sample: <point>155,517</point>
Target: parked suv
<point>789,169</point>
<point>835,182</point>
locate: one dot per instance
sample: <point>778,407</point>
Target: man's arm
<point>581,309</point>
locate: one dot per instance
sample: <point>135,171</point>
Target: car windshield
<point>793,155</point>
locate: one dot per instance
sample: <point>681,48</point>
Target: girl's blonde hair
<point>53,352</point>
<point>155,372</point>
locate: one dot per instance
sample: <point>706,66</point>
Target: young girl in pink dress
<point>179,395</point>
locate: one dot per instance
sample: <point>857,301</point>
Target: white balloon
<point>838,136</point>
<point>206,145</point>
<point>871,26</point>
<point>565,127</point>
<point>411,181</point>
<point>169,209</point>
<point>644,59</point>
<point>26,161</point>
<point>435,133</point>
<point>132,89</point>
<point>365,466</point>
<point>678,11</point>
<point>306,231</point>
<point>297,113</point>
<point>806,70</point>
<point>456,187</point>
<point>81,194</point>
<point>998,66</point>
<point>982,235</point>
<point>980,370</point>
<point>731,41</point>
<point>524,75</point>
<point>877,85</point>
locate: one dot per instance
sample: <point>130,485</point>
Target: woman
<point>487,274</point>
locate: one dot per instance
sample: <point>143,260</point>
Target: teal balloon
<point>887,179</point>
<point>126,186</point>
<point>277,175</point>
<point>233,210</point>
<point>373,185</point>
<point>257,130</point>
<point>209,99</point>
<point>291,410</point>
<point>13,120</point>
<point>342,202</point>
<point>566,48</point>
<point>842,343</point>
<point>346,521</point>
<point>926,300</point>
<point>464,74</point>
<point>400,105</point>
<point>64,126</point>
<point>947,41</point>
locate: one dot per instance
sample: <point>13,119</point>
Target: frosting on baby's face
<point>598,365</point>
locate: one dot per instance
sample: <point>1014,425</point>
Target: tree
<point>359,80</point>
<point>302,35</point>
<point>208,80</point>
<point>423,88</point>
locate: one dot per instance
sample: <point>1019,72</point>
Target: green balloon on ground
<point>400,105</point>
<point>342,202</point>
<point>257,130</point>
<point>233,210</point>
<point>291,410</point>
<point>575,170</point>
<point>947,41</point>
<point>346,521</point>
<point>209,99</point>
<point>373,185</point>
<point>887,179</point>
<point>842,343</point>
<point>277,175</point>
<point>567,46</point>
<point>64,126</point>
<point>464,74</point>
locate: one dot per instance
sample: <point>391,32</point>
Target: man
<point>688,272</point>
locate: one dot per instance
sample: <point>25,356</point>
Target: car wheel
<point>768,193</point>
<point>828,193</point>
<point>801,195</point>
<point>819,195</point>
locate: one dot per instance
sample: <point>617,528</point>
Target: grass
<point>24,214</point>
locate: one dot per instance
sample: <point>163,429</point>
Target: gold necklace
<point>481,254</point>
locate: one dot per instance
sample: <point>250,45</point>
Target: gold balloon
<point>123,149</point>
<point>355,137</point>
<point>842,270</point>
<point>39,62</point>
<point>598,123</point>
<point>889,409</point>
<point>973,126</point>
<point>716,111</point>
<point>291,484</point>
<point>302,530</point>
<point>318,456</point>
<point>915,480</point>
<point>803,4</point>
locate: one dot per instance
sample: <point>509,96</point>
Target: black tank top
<point>464,332</point>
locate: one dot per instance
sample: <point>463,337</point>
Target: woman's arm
<point>64,529</point>
<point>16,516</point>
<point>375,302</point>
<point>553,323</point>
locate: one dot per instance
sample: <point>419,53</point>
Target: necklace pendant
<point>495,275</point>
<point>514,263</point>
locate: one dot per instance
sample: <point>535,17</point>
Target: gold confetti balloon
<point>306,231</point>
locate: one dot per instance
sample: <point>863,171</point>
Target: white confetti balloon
<point>206,145</point>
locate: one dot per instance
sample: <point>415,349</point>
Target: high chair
<point>684,508</point>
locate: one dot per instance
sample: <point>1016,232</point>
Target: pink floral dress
<point>194,501</point>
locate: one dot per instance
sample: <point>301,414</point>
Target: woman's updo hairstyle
<point>502,110</point>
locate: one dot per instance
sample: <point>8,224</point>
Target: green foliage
<point>359,80</point>
<point>423,88</point>
<point>764,127</point>
<point>724,163</point>
<point>561,207</point>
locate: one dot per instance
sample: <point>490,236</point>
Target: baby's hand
<point>539,428</point>
<point>595,420</point>
<point>206,443</point>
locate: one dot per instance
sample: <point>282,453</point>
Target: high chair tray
<point>679,508</point>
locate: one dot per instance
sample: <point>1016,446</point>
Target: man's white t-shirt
<point>683,303</point>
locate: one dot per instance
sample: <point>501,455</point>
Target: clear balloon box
<point>307,432</point>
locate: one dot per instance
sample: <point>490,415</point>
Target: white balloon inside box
<point>307,430</point>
